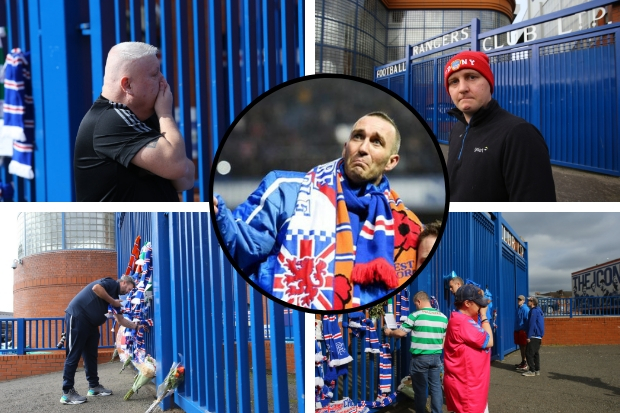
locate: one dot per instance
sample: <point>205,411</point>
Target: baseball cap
<point>521,297</point>
<point>129,279</point>
<point>477,61</point>
<point>472,293</point>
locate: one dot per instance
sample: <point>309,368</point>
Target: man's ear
<point>344,149</point>
<point>126,85</point>
<point>392,162</point>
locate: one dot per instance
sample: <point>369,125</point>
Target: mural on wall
<point>598,281</point>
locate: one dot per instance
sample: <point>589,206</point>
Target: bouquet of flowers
<point>146,371</point>
<point>171,382</point>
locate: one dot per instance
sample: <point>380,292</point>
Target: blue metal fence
<point>26,335</point>
<point>217,55</point>
<point>580,306</point>
<point>566,85</point>
<point>477,246</point>
<point>205,311</point>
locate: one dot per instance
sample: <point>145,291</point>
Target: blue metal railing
<point>534,80</point>
<point>27,335</point>
<point>580,306</point>
<point>218,56</point>
<point>225,330</point>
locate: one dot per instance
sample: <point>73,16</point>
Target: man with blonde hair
<point>128,147</point>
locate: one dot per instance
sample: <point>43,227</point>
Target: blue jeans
<point>425,369</point>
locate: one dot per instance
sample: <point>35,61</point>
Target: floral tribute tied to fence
<point>130,344</point>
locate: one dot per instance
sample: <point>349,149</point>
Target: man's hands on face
<point>163,103</point>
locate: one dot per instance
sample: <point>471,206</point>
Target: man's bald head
<point>122,58</point>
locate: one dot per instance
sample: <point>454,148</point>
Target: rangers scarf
<point>319,264</point>
<point>19,112</point>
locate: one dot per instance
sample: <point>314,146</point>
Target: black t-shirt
<point>87,306</point>
<point>109,136</point>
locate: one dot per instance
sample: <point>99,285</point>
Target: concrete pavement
<point>41,394</point>
<point>573,379</point>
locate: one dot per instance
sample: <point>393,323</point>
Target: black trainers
<point>72,397</point>
<point>99,391</point>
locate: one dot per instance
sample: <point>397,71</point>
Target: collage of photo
<point>238,206</point>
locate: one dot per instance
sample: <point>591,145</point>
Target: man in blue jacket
<point>333,238</point>
<point>520,335</point>
<point>84,314</point>
<point>535,333</point>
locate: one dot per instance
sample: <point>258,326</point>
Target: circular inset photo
<point>329,193</point>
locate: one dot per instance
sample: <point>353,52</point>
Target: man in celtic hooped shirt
<point>428,329</point>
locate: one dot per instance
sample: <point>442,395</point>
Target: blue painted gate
<point>566,85</point>
<point>477,246</point>
<point>205,311</point>
<point>217,55</point>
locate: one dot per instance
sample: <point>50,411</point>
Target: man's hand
<point>139,326</point>
<point>215,205</point>
<point>163,103</point>
<point>483,312</point>
<point>387,331</point>
<point>116,303</point>
<point>528,340</point>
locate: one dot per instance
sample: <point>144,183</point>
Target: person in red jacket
<point>493,156</point>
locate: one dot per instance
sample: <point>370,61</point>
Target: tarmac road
<point>573,379</point>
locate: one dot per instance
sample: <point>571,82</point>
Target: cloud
<point>562,243</point>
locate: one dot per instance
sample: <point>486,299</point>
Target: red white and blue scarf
<point>19,112</point>
<point>324,262</point>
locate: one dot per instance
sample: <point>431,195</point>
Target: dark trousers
<point>82,340</point>
<point>532,355</point>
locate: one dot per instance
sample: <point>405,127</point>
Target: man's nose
<point>463,86</point>
<point>364,146</point>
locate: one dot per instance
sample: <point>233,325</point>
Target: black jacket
<point>498,157</point>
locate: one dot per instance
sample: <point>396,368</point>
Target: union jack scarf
<point>325,262</point>
<point>19,112</point>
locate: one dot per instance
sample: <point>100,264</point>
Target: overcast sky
<point>562,243</point>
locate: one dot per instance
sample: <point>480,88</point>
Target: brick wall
<point>582,331</point>
<point>290,356</point>
<point>14,367</point>
<point>45,283</point>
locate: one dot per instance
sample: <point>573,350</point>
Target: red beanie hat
<point>477,61</point>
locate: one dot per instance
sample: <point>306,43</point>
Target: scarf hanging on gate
<point>19,112</point>
<point>319,266</point>
<point>371,341</point>
<point>402,306</point>
<point>385,369</point>
<point>337,352</point>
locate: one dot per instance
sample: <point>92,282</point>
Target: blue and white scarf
<point>19,112</point>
